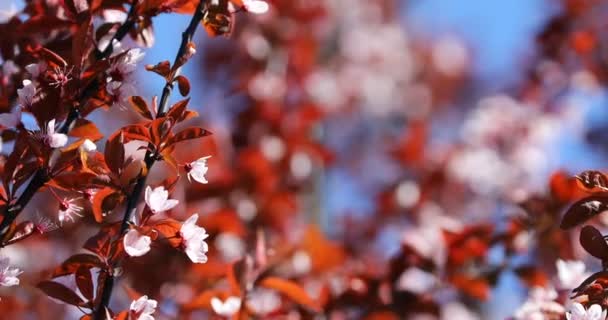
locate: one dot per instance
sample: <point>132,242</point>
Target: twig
<point>150,157</point>
<point>41,176</point>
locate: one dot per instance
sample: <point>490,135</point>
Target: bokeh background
<point>378,119</point>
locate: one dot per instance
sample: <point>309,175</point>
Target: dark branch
<point>41,177</point>
<point>150,157</point>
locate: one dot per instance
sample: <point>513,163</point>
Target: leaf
<point>169,228</point>
<point>76,261</point>
<point>141,107</point>
<point>159,129</point>
<point>176,112</point>
<point>532,276</point>
<point>82,43</point>
<point>75,180</point>
<point>291,290</point>
<point>115,152</point>
<point>188,134</point>
<point>98,202</point>
<point>183,85</point>
<point>593,179</point>
<point>137,132</point>
<point>593,242</point>
<point>60,292</point>
<point>162,68</point>
<point>84,282</point>
<point>584,210</point>
<point>475,287</point>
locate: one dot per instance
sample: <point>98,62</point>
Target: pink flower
<point>142,308</point>
<point>158,200</point>
<point>36,69</point>
<point>228,308</point>
<point>197,169</point>
<point>67,209</point>
<point>578,312</point>
<point>255,6</point>
<point>194,240</point>
<point>52,139</point>
<point>8,275</point>
<point>136,244</point>
<point>119,93</point>
<point>26,94</point>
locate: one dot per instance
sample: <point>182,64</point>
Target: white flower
<point>197,169</point>
<point>158,200</point>
<point>26,94</point>
<point>255,6</point>
<point>9,68</point>
<point>143,308</point>
<point>123,68</point>
<point>136,244</point>
<point>539,304</point>
<point>228,308</point>
<point>12,119</point>
<point>36,69</point>
<point>578,312</point>
<point>194,240</point>
<point>54,140</point>
<point>263,301</point>
<point>570,273</point>
<point>88,146</point>
<point>67,209</point>
<point>119,93</point>
<point>416,280</point>
<point>8,275</point>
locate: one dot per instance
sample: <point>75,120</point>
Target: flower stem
<point>150,157</point>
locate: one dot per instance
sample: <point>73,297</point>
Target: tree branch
<point>41,177</point>
<point>150,157</point>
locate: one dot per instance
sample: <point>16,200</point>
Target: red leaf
<point>82,43</point>
<point>593,242</point>
<point>584,210</point>
<point>141,107</point>
<point>115,152</point>
<point>188,134</point>
<point>176,112</point>
<point>162,68</point>
<point>169,228</point>
<point>98,202</point>
<point>84,128</point>
<point>291,290</point>
<point>84,282</point>
<point>183,84</point>
<point>592,180</point>
<point>60,292</point>
<point>137,132</point>
<point>76,261</point>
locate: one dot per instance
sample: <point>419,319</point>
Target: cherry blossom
<point>88,146</point>
<point>228,307</point>
<point>12,119</point>
<point>143,308</point>
<point>194,240</point>
<point>67,210</point>
<point>27,93</point>
<point>255,6</point>
<point>197,169</point>
<point>120,93</point>
<point>570,273</point>
<point>136,244</point>
<point>8,275</point>
<point>158,200</point>
<point>539,304</point>
<point>578,312</point>
<point>52,139</point>
<point>36,69</point>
